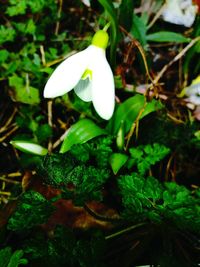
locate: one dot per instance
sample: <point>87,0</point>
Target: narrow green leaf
<point>128,112</point>
<point>109,8</point>
<point>16,259</point>
<point>117,161</point>
<point>165,36</point>
<point>139,29</point>
<point>79,133</point>
<point>29,147</point>
<point>126,14</point>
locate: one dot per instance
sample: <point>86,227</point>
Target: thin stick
<point>156,17</point>
<point>58,16</point>
<point>177,57</point>
<point>42,52</point>
<point>57,143</point>
<point>49,107</point>
<point>4,128</point>
<point>9,133</point>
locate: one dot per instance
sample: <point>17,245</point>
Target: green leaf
<point>29,147</point>
<point>128,111</point>
<point>32,209</point>
<point>109,8</point>
<point>81,132</point>
<point>117,161</point>
<point>16,259</point>
<point>145,156</point>
<point>5,255</point>
<point>139,29</point>
<point>164,36</point>
<point>6,34</point>
<point>126,14</point>
<point>3,55</point>
<point>22,93</point>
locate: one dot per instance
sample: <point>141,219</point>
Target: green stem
<point>124,231</point>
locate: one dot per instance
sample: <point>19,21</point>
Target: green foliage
<point>146,199</point>
<point>145,156</point>
<point>81,132</point>
<point>11,259</point>
<point>139,196</point>
<point>139,30</point>
<point>130,110</point>
<point>66,248</point>
<point>165,36</point>
<point>6,34</point>
<point>32,209</point>
<point>84,167</point>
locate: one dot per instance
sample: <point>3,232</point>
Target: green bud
<point>100,39</point>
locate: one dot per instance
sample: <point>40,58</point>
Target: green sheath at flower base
<point>100,39</point>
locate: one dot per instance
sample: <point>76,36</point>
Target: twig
<point>58,16</point>
<point>124,230</point>
<point>4,128</point>
<point>57,143</point>
<point>9,181</point>
<point>140,48</point>
<point>9,133</point>
<point>158,13</point>
<point>100,217</point>
<point>42,55</point>
<point>49,107</point>
<point>177,57</point>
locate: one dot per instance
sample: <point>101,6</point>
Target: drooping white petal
<point>103,88</point>
<point>84,90</point>
<point>67,75</point>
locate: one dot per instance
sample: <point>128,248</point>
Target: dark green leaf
<point>126,14</point>
<point>32,209</point>
<point>165,36</point>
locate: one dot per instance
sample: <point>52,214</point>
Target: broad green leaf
<point>117,161</point>
<point>164,36</point>
<point>79,133</point>
<point>109,8</point>
<point>139,29</point>
<point>29,147</point>
<point>126,14</point>
<point>129,110</point>
<point>23,94</point>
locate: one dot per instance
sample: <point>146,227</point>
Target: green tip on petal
<point>100,39</point>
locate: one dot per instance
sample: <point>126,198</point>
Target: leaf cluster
<point>81,172</point>
<point>11,259</point>
<point>147,199</point>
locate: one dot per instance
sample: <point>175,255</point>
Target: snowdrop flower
<point>193,92</point>
<point>89,73</point>
<point>181,12</point>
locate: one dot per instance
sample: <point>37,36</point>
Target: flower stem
<point>105,28</point>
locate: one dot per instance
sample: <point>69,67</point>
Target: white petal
<point>66,75</point>
<point>103,88</point>
<point>83,90</point>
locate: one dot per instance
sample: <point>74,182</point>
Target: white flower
<point>193,92</point>
<point>181,12</point>
<point>89,73</point>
